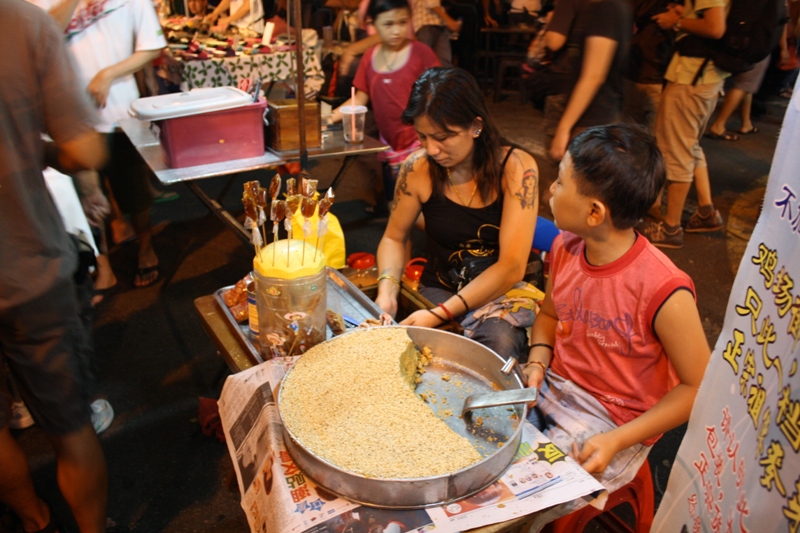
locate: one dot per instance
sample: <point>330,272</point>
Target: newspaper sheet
<point>278,498</point>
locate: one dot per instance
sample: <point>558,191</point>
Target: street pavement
<point>154,359</point>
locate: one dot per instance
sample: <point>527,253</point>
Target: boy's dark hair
<point>376,7</point>
<point>621,165</point>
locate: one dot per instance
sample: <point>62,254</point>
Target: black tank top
<point>455,231</point>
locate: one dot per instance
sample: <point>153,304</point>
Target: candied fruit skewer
<point>261,203</point>
<point>274,190</point>
<point>277,214</point>
<point>322,226</point>
<point>307,207</point>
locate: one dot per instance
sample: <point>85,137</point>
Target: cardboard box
<point>283,128</point>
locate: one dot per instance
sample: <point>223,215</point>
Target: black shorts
<point>48,352</point>
<point>127,174</point>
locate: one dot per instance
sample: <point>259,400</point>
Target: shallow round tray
<point>460,367</point>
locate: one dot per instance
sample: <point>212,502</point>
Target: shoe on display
<point>659,236</point>
<point>701,224</point>
<point>20,416</point>
<point>102,415</point>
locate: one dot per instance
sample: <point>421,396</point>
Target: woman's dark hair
<point>621,165</point>
<point>450,97</point>
<point>376,7</point>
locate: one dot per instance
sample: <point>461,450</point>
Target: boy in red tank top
<point>618,349</point>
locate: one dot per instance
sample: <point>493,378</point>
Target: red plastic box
<point>236,133</point>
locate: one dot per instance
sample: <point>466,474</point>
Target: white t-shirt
<point>254,20</point>
<point>103,33</point>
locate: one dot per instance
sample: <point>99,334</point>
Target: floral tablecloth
<point>274,66</point>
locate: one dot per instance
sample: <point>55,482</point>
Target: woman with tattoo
<point>479,198</point>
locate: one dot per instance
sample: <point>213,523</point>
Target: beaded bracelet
<point>463,301</point>
<point>447,312</point>
<point>544,366</point>
<point>390,278</point>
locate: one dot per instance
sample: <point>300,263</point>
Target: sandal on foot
<point>724,136</point>
<point>143,272</point>
<point>103,294</point>
<point>166,196</point>
<point>748,132</point>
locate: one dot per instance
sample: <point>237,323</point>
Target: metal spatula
<point>493,399</point>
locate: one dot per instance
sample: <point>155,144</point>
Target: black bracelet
<point>545,345</point>
<point>434,314</point>
<point>466,305</point>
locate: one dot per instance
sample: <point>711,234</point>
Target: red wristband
<point>447,312</point>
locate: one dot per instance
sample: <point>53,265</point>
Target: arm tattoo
<point>402,180</point>
<point>529,191</point>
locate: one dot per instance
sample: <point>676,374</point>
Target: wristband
<point>447,312</point>
<point>543,344</point>
<point>434,314</point>
<point>463,301</point>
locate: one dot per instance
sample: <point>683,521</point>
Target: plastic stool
<point>503,68</point>
<point>638,493</point>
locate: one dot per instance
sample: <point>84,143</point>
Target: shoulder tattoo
<point>528,193</point>
<point>402,178</point>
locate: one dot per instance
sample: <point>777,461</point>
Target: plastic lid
<point>361,260</point>
<point>194,102</point>
<point>299,266</point>
<point>350,110</point>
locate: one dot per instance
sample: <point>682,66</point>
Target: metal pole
<point>300,89</point>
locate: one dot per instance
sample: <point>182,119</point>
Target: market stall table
<point>147,144</point>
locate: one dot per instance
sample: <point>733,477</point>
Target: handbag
<point>473,266</point>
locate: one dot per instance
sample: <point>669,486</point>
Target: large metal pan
<point>467,368</point>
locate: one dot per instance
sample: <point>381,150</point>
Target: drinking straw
<point>352,113</point>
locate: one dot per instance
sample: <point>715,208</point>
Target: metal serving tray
<point>461,367</point>
<point>356,307</point>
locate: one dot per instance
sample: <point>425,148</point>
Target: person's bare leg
<point>744,111</point>
<point>82,477</point>
<point>105,278</point>
<point>676,199</point>
<point>732,101</point>
<point>121,230</point>
<point>702,185</point>
<point>655,209</point>
<point>16,485</point>
<point>147,255</point>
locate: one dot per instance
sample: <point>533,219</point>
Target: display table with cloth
<point>228,71</point>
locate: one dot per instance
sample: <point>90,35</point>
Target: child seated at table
<point>618,349</point>
<point>385,76</point>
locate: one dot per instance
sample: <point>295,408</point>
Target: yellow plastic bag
<point>331,244</point>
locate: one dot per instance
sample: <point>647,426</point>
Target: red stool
<point>638,493</point>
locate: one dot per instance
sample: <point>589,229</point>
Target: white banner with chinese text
<point>738,468</point>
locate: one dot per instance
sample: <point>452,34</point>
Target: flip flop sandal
<point>104,294</point>
<point>725,136</point>
<point>142,273</point>
<point>166,196</point>
<point>748,132</point>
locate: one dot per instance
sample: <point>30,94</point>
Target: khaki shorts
<point>681,120</point>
